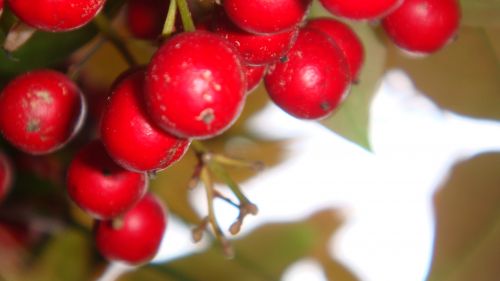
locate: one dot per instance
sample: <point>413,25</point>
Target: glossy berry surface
<point>101,187</point>
<point>146,147</point>
<point>256,49</point>
<point>345,38</point>
<point>40,111</point>
<point>360,9</point>
<point>145,18</point>
<point>195,85</point>
<point>313,80</point>
<point>56,15</point>
<point>265,16</point>
<point>423,26</point>
<point>137,237</point>
<point>5,175</point>
<point>254,75</point>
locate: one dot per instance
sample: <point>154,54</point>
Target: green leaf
<point>480,12</point>
<point>467,210</point>
<point>463,77</point>
<point>65,257</point>
<point>262,255</point>
<point>351,120</point>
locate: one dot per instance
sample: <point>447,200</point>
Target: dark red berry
<point>55,16</point>
<point>346,40</point>
<point>145,18</point>
<point>128,134</point>
<point>264,16</point>
<point>135,237</point>
<point>1,7</point>
<point>360,9</point>
<point>195,86</point>
<point>101,187</point>
<point>254,75</point>
<point>423,26</point>
<point>313,79</point>
<point>255,49</point>
<point>5,175</point>
<point>40,111</point>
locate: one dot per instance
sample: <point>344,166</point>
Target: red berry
<point>254,75</point>
<point>360,9</point>
<point>195,86</point>
<point>5,175</point>
<point>1,7</point>
<point>254,48</point>
<point>264,16</point>
<point>136,237</point>
<point>129,136</point>
<point>314,78</point>
<point>423,26</point>
<point>145,18</point>
<point>40,111</point>
<point>101,187</point>
<point>56,15</point>
<point>346,40</point>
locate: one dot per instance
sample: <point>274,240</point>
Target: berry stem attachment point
<point>104,26</point>
<point>168,27</point>
<point>187,20</point>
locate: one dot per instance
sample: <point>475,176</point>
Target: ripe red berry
<point>145,18</point>
<point>5,175</point>
<point>360,9</point>
<point>346,40</point>
<point>254,75</point>
<point>135,238</point>
<point>101,187</point>
<point>255,49</point>
<point>264,16</point>
<point>56,16</point>
<point>195,86</point>
<point>1,7</point>
<point>40,111</point>
<point>314,78</point>
<point>129,135</point>
<point>423,26</point>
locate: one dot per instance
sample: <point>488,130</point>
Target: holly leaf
<point>467,210</point>
<point>463,77</point>
<point>351,120</point>
<point>480,12</point>
<point>262,255</point>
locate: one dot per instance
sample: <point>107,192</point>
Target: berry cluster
<point>193,88</point>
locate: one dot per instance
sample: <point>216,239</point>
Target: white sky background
<point>386,195</point>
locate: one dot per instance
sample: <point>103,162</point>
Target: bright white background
<point>385,195</point>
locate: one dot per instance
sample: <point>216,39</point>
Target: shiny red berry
<point>254,75</point>
<point>423,26</point>
<point>56,15</point>
<point>128,134</point>
<point>101,187</point>
<point>360,9</point>
<point>346,40</point>
<point>40,111</point>
<point>135,237</point>
<point>1,7</point>
<point>6,175</point>
<point>255,49</point>
<point>145,18</point>
<point>314,78</point>
<point>195,86</point>
<point>264,16</point>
